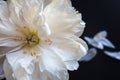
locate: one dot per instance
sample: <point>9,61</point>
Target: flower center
<point>32,40</point>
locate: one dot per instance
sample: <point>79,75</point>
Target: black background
<point>99,15</point>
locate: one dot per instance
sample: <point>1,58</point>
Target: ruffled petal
<point>28,14</point>
<point>62,18</point>
<point>5,26</point>
<point>20,62</point>
<point>70,49</point>
<point>23,12</point>
<point>52,66</point>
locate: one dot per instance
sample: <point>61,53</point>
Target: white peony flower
<point>42,34</point>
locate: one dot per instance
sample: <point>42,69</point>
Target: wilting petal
<point>115,55</point>
<point>8,70</point>
<point>62,18</point>
<point>90,55</point>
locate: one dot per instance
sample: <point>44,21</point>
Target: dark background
<point>100,15</point>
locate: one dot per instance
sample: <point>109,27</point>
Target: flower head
<point>43,35</point>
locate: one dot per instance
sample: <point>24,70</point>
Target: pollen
<point>32,40</point>
<point>48,41</point>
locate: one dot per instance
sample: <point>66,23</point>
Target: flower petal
<point>5,26</point>
<point>52,65</point>
<point>115,55</point>
<point>62,17</point>
<point>69,49</point>
<point>9,42</point>
<point>94,43</point>
<point>72,65</point>
<point>25,12</point>
<point>100,35</point>
<point>8,70</point>
<point>20,61</point>
<point>3,10</point>
<point>92,52</point>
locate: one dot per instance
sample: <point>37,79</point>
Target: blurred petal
<point>107,43</point>
<point>90,55</point>
<point>94,43</point>
<point>100,35</point>
<point>115,55</point>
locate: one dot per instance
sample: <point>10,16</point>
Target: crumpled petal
<point>69,21</point>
